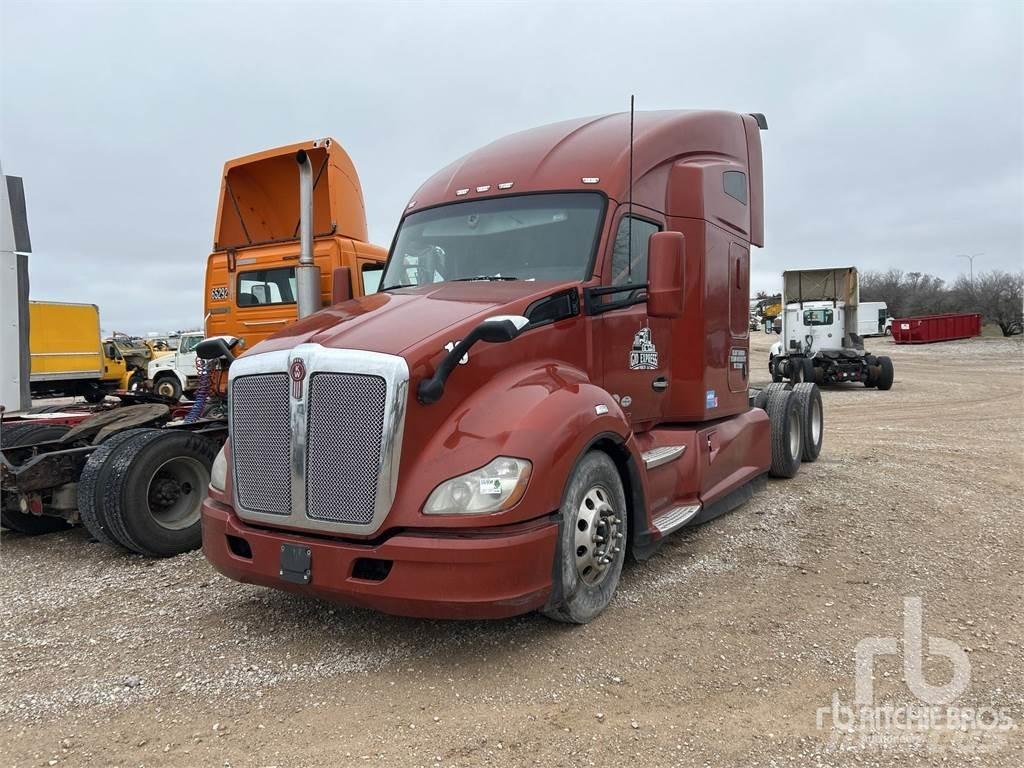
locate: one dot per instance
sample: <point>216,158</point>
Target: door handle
<point>660,384</point>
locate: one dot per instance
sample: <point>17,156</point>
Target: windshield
<point>818,317</point>
<point>528,237</point>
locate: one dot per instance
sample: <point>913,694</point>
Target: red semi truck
<point>554,374</point>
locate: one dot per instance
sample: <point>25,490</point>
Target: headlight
<point>219,471</point>
<point>493,488</point>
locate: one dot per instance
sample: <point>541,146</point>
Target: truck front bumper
<point>476,574</point>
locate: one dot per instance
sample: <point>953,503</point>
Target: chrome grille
<point>261,442</point>
<point>345,424</point>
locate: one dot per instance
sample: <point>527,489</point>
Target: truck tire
<point>586,571</point>
<point>30,434</point>
<point>761,399</point>
<point>168,386</point>
<point>786,433</point>
<point>778,386</point>
<point>92,486</point>
<point>94,394</point>
<point>806,369</point>
<point>158,480</point>
<point>813,419</point>
<point>15,520</point>
<point>774,369</point>
<point>885,373</point>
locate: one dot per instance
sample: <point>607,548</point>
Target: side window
<point>734,184</point>
<point>372,274</point>
<point>622,272</point>
<point>266,286</point>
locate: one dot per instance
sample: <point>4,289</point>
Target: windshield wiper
<point>400,285</point>
<point>482,277</point>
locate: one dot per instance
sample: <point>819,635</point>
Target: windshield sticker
<point>644,355</point>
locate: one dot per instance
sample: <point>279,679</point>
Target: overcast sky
<point>895,138</point>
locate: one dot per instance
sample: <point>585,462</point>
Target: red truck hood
<point>398,321</point>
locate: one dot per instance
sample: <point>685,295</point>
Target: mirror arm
<point>430,390</point>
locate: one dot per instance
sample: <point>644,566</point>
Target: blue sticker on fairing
<point>711,400</point>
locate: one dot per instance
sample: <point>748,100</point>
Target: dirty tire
<point>885,373</point>
<point>786,434</point>
<point>92,486</point>
<point>812,416</point>
<point>168,386</point>
<point>30,434</point>
<point>15,520</point>
<point>778,387</point>
<point>774,369</point>
<point>574,600</point>
<point>138,468</point>
<point>761,399</point>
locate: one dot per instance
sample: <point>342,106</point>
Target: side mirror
<point>217,347</point>
<point>341,285</point>
<point>494,330</point>
<point>665,254</point>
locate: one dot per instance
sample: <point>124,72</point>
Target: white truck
<point>175,374</point>
<point>821,340</point>
<point>873,319</point>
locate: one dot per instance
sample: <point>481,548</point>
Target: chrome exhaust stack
<point>307,274</point>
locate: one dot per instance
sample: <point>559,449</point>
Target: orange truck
<point>251,284</point>
<point>140,488</point>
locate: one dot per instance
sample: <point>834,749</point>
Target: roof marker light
<point>505,185</point>
<point>590,179</point>
<point>483,188</point>
<point>410,205</point>
<point>461,192</point>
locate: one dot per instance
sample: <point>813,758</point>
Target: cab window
<point>817,317</point>
<point>624,273</point>
<point>372,274</point>
<point>188,343</point>
<point>266,286</point>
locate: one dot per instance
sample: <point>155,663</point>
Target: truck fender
<point>550,414</point>
<point>776,349</point>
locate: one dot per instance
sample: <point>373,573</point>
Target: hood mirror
<point>494,330</point>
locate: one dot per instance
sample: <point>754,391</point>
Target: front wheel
<point>774,369</point>
<point>591,546</point>
<point>169,387</point>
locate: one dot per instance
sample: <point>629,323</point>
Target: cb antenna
<point>629,199</point>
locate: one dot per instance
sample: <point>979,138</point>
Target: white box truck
<point>873,319</point>
<point>821,339</point>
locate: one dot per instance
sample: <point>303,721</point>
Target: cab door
<point>634,348</point>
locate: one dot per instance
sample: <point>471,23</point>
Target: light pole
<point>970,258</point>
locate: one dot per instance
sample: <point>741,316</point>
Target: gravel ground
<point>718,651</point>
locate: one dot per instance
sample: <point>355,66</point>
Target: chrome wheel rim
<point>175,493</point>
<point>598,536</point>
<point>165,388</point>
<point>794,435</point>
<point>815,421</point>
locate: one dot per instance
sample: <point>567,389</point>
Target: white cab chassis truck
<point>173,375</point>
<point>820,340</point>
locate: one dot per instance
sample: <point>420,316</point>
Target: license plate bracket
<point>296,563</point>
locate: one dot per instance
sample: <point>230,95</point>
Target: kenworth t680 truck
<point>553,374</point>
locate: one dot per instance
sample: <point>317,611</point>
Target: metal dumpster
<point>929,328</point>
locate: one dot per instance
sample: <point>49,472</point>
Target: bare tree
<point>1000,298</point>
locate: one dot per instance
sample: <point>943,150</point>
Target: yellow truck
<point>68,355</point>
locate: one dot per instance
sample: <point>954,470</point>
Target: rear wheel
<point>591,547</point>
<point>158,481</point>
<point>15,520</point>
<point>786,433</point>
<point>885,373</point>
<point>812,416</point>
<point>92,486</point>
